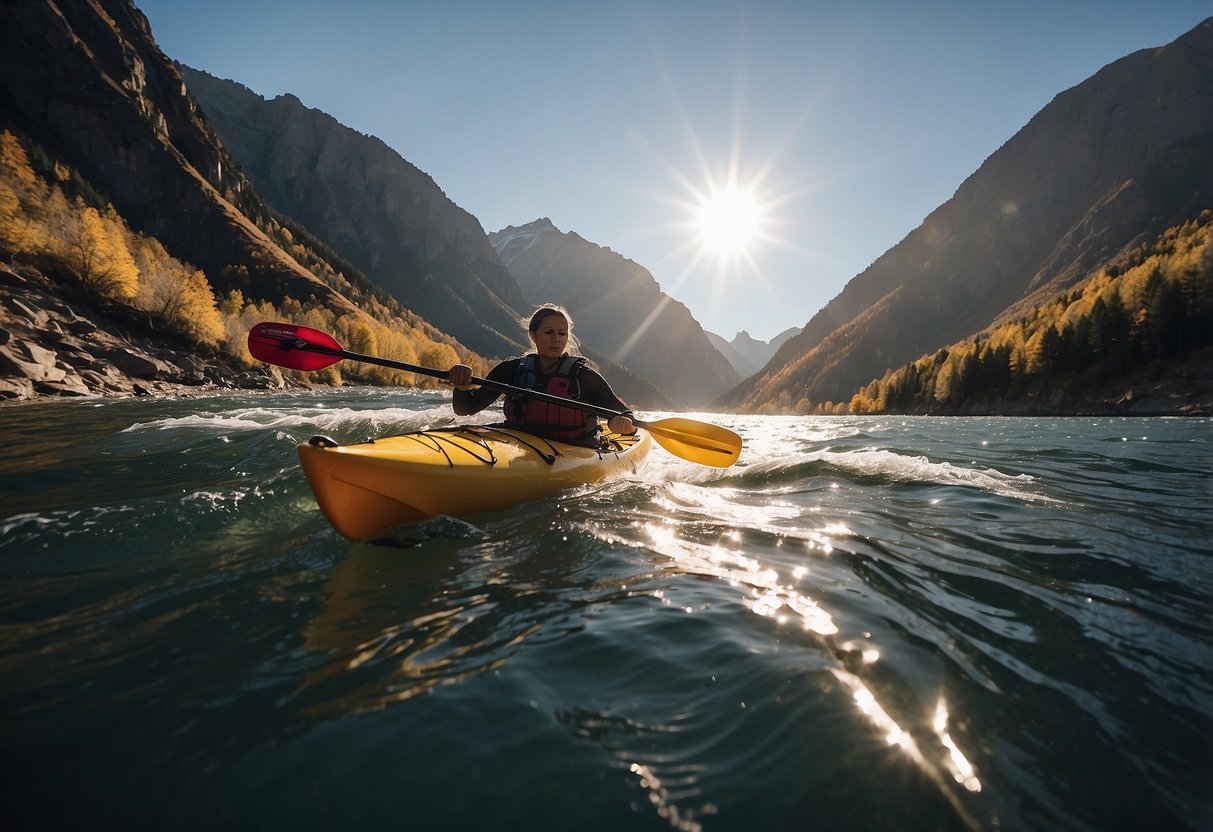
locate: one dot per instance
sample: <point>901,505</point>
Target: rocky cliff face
<point>1106,165</point>
<point>618,308</point>
<point>373,207</point>
<point>86,80</point>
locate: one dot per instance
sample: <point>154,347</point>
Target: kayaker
<point>553,368</point>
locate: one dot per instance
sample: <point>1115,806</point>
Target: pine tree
<point>1167,311</point>
<point>1109,333</point>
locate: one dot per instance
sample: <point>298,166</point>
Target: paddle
<point>302,348</point>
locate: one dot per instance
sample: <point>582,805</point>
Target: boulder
<point>16,388</point>
<point>68,386</point>
<point>32,313</point>
<point>93,379</point>
<point>8,277</point>
<point>260,379</point>
<point>189,368</point>
<point>23,359</point>
<point>79,360</point>
<point>133,364</point>
<point>79,326</point>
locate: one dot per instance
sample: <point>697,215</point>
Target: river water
<point>867,623</point>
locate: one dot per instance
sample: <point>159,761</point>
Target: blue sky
<point>848,122</point>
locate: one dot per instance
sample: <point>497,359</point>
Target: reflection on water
<point>396,622</point>
<point>662,796</point>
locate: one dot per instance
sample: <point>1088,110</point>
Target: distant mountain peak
<point>539,226</point>
<point>619,309</point>
<point>746,353</point>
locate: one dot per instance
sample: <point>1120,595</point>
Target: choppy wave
<point>878,467</point>
<point>346,419</point>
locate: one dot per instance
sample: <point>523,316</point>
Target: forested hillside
<point>1148,310</point>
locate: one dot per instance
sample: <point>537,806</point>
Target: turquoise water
<point>868,623</point>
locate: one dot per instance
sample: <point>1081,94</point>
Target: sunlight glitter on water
<point>772,598</point>
<point>955,763</point>
<point>959,766</point>
<point>767,596</point>
<point>660,797</point>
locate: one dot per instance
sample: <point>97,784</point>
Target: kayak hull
<point>368,488</point>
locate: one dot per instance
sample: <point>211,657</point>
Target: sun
<point>729,222</point>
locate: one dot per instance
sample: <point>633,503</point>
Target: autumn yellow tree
<point>179,295</point>
<point>14,233</point>
<point>100,255</point>
<point>362,338</point>
<point>945,382</point>
<point>238,316</point>
<point>437,356</point>
<point>15,164</point>
<point>194,312</point>
<point>21,193</point>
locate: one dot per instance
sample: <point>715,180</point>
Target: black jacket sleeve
<point>595,390</point>
<point>467,402</point>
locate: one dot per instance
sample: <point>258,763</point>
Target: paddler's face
<point>551,336</point>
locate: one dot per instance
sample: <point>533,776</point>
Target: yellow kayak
<point>368,488</point>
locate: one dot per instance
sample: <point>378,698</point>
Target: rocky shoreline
<point>56,343</point>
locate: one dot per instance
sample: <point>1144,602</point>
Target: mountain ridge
<point>1081,181</point>
<point>618,306</point>
<point>366,201</point>
<point>747,354</point>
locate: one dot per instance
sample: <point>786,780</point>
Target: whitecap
<point>902,468</point>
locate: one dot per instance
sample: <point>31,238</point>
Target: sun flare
<point>729,222</point>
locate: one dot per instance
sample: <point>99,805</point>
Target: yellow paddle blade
<point>693,441</point>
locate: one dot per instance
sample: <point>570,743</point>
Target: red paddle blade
<point>294,347</point>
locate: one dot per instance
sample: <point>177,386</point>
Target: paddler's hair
<point>532,324</point>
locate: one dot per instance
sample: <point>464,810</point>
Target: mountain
<point>389,219</point>
<point>1105,166</point>
<point>366,202</point>
<point>743,366</point>
<point>86,81</point>
<point>747,354</point>
<point>617,306</point>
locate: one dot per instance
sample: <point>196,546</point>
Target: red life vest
<point>544,418</point>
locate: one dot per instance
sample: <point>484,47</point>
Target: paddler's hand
<point>622,425</point>
<point>460,376</point>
